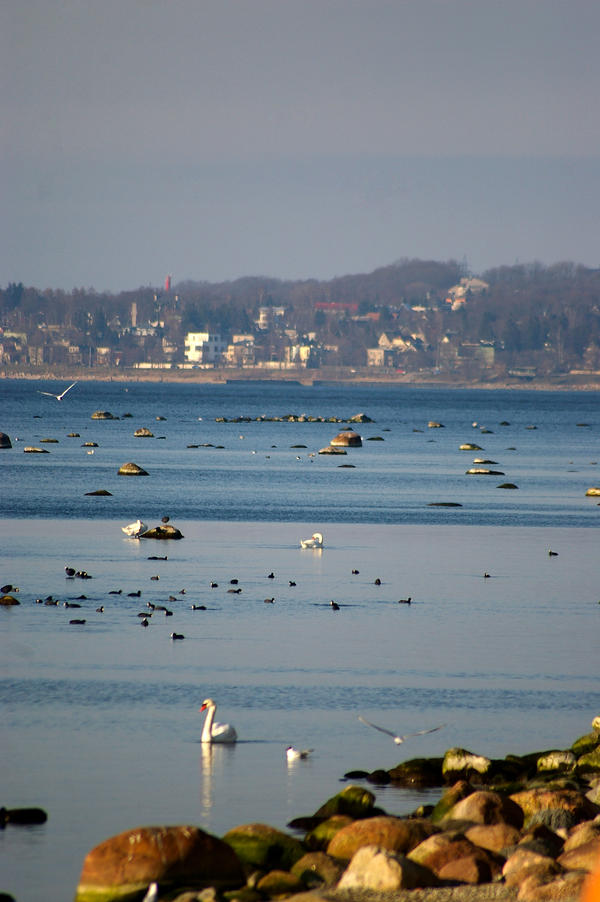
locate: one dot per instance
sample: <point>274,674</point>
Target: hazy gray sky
<point>294,138</point>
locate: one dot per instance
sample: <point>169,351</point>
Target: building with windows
<point>204,347</point>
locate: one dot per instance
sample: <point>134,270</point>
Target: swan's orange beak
<point>202,708</point>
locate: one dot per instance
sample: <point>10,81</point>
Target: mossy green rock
<point>354,801</point>
<point>261,846</point>
<point>586,744</point>
<point>462,763</point>
<point>589,763</point>
<point>317,869</point>
<point>321,835</point>
<point>277,884</point>
<point>418,772</point>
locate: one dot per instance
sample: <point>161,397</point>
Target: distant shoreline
<point>327,375</point>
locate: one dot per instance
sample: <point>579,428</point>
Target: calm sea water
<point>100,721</point>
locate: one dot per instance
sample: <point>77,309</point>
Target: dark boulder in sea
<point>8,600</point>
<point>5,441</point>
<point>165,531</point>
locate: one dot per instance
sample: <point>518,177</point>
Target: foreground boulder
<point>126,864</point>
<point>380,870</point>
<point>392,833</point>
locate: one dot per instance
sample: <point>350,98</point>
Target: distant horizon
<point>159,286</point>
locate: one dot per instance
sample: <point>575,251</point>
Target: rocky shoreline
<point>525,828</point>
<point>343,375</point>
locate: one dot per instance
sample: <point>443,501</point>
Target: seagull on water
<point>399,739</point>
<point>58,397</point>
<point>293,754</point>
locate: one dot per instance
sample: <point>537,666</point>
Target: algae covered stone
<point>353,801</point>
<point>261,846</point>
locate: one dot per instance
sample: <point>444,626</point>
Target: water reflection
<point>214,761</point>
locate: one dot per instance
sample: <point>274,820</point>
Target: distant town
<point>414,318</point>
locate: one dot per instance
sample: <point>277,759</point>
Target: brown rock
<point>580,834</point>
<point>469,869</point>
<point>381,870</point>
<point>537,888</point>
<point>459,790</point>
<point>317,869</point>
<point>493,837</point>
<point>130,861</point>
<point>555,807</point>
<point>584,857</point>
<point>8,600</point>
<point>348,438</point>
<point>390,833</point>
<point>485,807</point>
<point>440,849</point>
<point>131,469</point>
<point>277,884</point>
<point>524,862</point>
<point>321,835</point>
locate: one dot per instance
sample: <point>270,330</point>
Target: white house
<point>204,347</point>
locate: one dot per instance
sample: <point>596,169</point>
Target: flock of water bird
<point>214,731</point>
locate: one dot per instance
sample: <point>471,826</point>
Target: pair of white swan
<point>315,541</point>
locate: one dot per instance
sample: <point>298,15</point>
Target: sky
<point>214,139</point>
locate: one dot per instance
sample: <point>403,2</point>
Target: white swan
<point>215,732</point>
<point>134,530</point>
<point>315,541</point>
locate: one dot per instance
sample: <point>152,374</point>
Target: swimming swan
<point>315,541</point>
<point>215,732</point>
<point>134,530</point>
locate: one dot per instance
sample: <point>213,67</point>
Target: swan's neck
<point>207,728</point>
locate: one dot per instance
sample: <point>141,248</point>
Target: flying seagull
<point>399,739</point>
<point>58,397</point>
